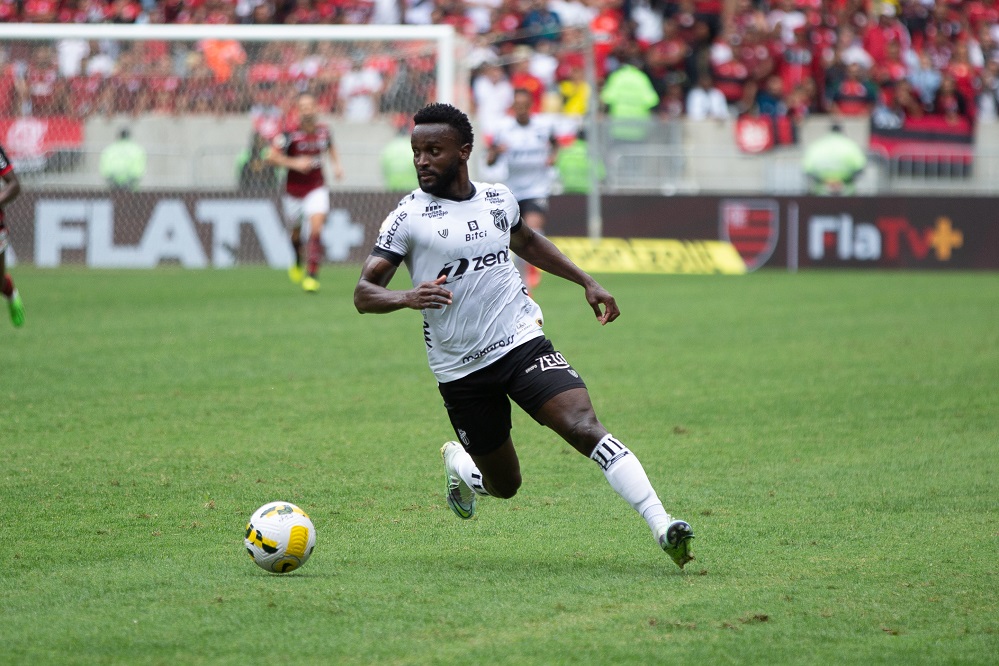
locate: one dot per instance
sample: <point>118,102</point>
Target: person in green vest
<point>833,163</point>
<point>123,163</point>
<point>253,172</point>
<point>398,172</point>
<point>573,164</point>
<point>630,99</point>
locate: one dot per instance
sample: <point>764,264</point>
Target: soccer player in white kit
<point>483,332</point>
<point>528,147</point>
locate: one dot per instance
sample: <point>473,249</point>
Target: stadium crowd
<point>703,58</point>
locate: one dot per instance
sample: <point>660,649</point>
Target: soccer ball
<point>280,537</point>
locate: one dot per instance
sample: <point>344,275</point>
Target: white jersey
<point>469,242</point>
<point>527,148</point>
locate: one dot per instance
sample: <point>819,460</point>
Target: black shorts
<point>479,404</point>
<point>534,206</point>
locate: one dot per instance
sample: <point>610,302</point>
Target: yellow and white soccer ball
<point>280,537</point>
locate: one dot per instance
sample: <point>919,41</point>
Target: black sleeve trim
<point>389,256</point>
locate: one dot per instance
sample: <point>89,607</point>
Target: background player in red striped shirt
<point>300,151</point>
<point>8,192</point>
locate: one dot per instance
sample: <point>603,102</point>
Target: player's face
<point>522,108</point>
<point>307,109</point>
<point>439,156</point>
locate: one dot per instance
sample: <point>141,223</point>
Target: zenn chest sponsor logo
<point>455,270</point>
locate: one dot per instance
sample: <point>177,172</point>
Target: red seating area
<point>909,58</point>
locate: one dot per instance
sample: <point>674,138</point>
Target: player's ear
<point>465,151</point>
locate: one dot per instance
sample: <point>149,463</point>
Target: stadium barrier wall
<point>201,230</point>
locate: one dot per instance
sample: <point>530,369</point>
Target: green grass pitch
<point>831,436</point>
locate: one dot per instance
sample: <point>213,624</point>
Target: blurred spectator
<point>40,11</point>
<point>671,106</point>
<point>71,54</point>
<point>39,86</point>
<point>855,95</point>
<point>648,23</point>
<point>417,12</point>
<point>951,102</point>
<point>669,59</point>
<point>359,92</point>
<point>452,12</point>
<point>906,101</point>
<point>221,56</point>
<point>730,75</point>
<point>770,98</point>
<point>492,95</point>
<point>833,162</point>
<point>101,61</point>
<point>123,163</point>
<point>964,71</point>
<point>887,29</point>
<point>850,50</point>
<point>521,77</point>
<point>925,79</point>
<point>785,18</point>
<point>543,65</point>
<point>606,31</point>
<point>575,91</point>
<point>575,13</point>
<point>900,104</point>
<point>891,69</point>
<point>630,99</point>
<point>540,23</point>
<point>573,165</point>
<point>988,98</point>
<point>398,170</point>
<point>480,13</point>
<point>705,101</point>
<point>798,62</point>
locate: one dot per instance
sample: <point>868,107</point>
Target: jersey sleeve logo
<point>500,219</point>
<point>387,233</point>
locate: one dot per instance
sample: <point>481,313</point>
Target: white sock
<point>469,473</point>
<point>626,475</point>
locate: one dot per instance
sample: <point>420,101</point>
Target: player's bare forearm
<point>542,253</point>
<point>537,250</point>
<point>371,298</point>
<point>372,295</point>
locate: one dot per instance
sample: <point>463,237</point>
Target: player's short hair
<point>446,114</point>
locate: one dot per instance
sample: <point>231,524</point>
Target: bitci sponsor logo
<point>887,238</point>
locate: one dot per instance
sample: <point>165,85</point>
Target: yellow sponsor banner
<point>652,255</point>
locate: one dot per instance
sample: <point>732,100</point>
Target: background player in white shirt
<point>483,332</point>
<point>528,146</point>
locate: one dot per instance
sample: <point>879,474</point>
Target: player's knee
<point>584,432</point>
